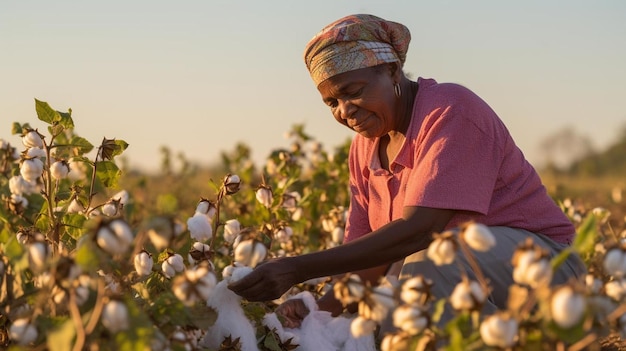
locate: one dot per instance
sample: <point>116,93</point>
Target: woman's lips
<point>358,125</point>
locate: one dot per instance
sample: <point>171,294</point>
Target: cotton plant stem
<point>474,265</point>
<point>78,322</point>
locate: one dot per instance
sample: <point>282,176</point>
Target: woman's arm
<point>388,244</point>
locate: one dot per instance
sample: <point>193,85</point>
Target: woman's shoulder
<point>446,90</point>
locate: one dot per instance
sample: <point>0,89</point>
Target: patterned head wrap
<point>355,42</point>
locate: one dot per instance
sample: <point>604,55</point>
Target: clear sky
<point>200,76</point>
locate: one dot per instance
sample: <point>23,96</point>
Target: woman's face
<point>363,100</point>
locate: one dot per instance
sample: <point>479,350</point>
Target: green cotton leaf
<point>440,305</point>
<point>46,113</point>
<point>167,203</point>
<point>16,129</point>
<point>74,224</point>
<point>271,343</point>
<point>558,260</point>
<point>8,241</point>
<point>87,254</point>
<point>81,144</point>
<point>108,173</point>
<point>62,338</point>
<point>586,234</point>
<point>66,119</point>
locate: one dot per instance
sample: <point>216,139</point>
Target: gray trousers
<point>495,264</point>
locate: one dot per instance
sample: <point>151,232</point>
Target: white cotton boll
<point>616,289</point>
<point>78,170</point>
<point>199,252</point>
<point>567,307</point>
<point>32,138</point>
<point>206,208</point>
<point>593,284</point>
<point>115,316</point>
<point>31,169</point>
<point>200,227</point>
<point>19,201</point>
<point>615,262</point>
<point>362,326</point>
<point>532,270</point>
<point>109,209</point>
<point>337,235</point>
<point>264,196</point>
<point>499,330</point>
<point>240,272</point>
<point>60,169</point>
<point>441,251</point>
<point>143,263</point>
<point>38,255</point>
<point>328,225</point>
<point>232,228</point>
<point>467,295</point>
<point>172,265</point>
<point>20,186</point>
<point>297,214</point>
<point>250,252</point>
<point>121,196</point>
<point>23,332</point>
<point>416,290</point>
<point>479,237</point>
<point>75,207</point>
<point>35,152</point>
<point>410,319</point>
<point>283,235</point>
<point>381,301</point>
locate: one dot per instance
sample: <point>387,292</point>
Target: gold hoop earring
<point>396,90</point>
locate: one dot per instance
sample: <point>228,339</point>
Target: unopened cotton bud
<point>567,307</point>
<point>410,319</point>
<point>264,196</point>
<point>23,332</point>
<point>172,265</point>
<point>283,235</point>
<point>60,169</point>
<point>115,237</point>
<point>115,316</point>
<point>232,228</point>
<point>499,330</point>
<point>232,183</point>
<point>143,263</point>
<point>467,296</point>
<point>250,252</point>
<point>32,138</point>
<point>361,326</point>
<point>615,262</point>
<point>478,237</point>
<point>441,251</point>
<point>337,235</point>
<point>31,169</point>
<point>200,227</point>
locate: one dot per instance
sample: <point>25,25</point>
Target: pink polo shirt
<point>457,155</point>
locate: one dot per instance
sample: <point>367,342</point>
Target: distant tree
<point>612,161</point>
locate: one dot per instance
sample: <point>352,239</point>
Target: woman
<point>427,157</point>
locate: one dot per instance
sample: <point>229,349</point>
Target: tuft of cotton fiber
<point>231,320</point>
<point>320,331</point>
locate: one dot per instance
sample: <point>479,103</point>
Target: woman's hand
<point>268,281</point>
<point>292,312</point>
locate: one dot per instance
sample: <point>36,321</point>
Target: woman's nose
<point>346,109</point>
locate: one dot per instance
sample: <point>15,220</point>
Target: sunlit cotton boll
<point>250,252</point>
<point>195,285</point>
<point>31,169</point>
<point>20,186</point>
<point>616,289</point>
<point>283,235</point>
<point>337,235</point>
<point>206,208</point>
<point>143,263</point>
<point>60,169</point>
<point>200,227</point>
<point>478,237</point>
<point>615,262</point>
<point>378,303</point>
<point>361,326</point>
<point>467,296</point>
<point>18,203</point>
<point>115,316</point>
<point>32,138</point>
<point>172,265</point>
<point>499,330</point>
<point>115,237</point>
<point>416,290</point>
<point>531,268</point>
<point>78,170</point>
<point>23,332</point>
<point>349,290</point>
<point>410,319</point>
<point>441,251</point>
<point>232,228</point>
<point>38,255</point>
<point>199,252</point>
<point>567,307</point>
<point>264,196</point>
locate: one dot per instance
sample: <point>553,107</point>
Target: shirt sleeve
<point>457,159</point>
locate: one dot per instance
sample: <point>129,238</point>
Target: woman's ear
<point>395,69</point>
